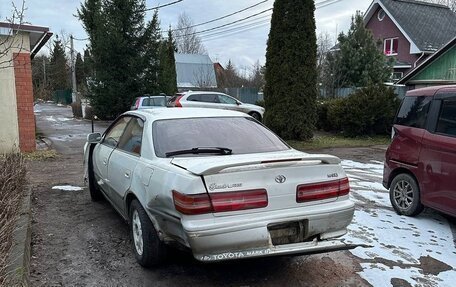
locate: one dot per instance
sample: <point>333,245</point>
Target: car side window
<point>413,112</point>
<point>131,140</point>
<point>194,98</point>
<point>146,102</point>
<point>227,100</point>
<point>209,98</point>
<point>447,119</point>
<point>113,135</point>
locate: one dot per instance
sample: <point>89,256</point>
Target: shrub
<point>260,103</point>
<point>12,181</point>
<point>368,111</point>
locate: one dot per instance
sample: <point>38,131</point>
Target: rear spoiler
<point>207,167</point>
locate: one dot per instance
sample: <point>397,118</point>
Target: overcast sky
<point>244,43</point>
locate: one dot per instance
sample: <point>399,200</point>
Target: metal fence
<point>63,97</point>
<point>345,92</point>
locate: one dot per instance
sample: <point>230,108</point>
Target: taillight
<point>138,101</point>
<point>192,204</point>
<point>177,102</point>
<point>239,200</point>
<point>322,190</point>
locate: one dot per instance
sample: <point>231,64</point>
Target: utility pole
<point>44,71</point>
<point>73,71</point>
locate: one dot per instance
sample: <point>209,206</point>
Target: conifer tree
<point>291,76</point>
<point>168,77</point>
<point>360,60</point>
<point>116,30</point>
<point>58,69</point>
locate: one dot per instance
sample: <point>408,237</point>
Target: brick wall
<point>24,98</point>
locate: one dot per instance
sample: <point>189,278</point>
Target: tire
<point>405,195</point>
<point>95,192</point>
<point>256,116</point>
<point>148,248</point>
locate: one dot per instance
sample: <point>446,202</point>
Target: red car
<point>420,166</point>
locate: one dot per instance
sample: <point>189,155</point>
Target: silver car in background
<point>215,100</point>
<point>218,183</point>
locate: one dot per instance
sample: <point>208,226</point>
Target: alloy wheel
<point>403,194</point>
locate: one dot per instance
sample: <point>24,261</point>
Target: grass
<point>337,141</point>
<point>41,155</point>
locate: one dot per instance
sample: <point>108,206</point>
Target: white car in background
<point>215,100</point>
<point>218,183</point>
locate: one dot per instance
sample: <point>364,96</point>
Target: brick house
<point>410,30</point>
<point>18,45</point>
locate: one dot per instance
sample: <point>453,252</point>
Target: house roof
<point>38,35</point>
<point>195,71</point>
<point>427,26</point>
<point>427,62</point>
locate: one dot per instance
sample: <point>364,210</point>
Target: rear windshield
<point>242,135</point>
<point>413,112</point>
<point>154,102</point>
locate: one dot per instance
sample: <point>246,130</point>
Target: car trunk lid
<point>279,173</point>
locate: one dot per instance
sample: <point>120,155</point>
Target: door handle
<point>127,174</point>
<point>105,161</point>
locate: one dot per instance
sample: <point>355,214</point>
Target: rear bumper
<point>248,236</point>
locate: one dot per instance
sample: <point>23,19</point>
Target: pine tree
<point>58,71</point>
<point>291,76</point>
<point>361,62</point>
<point>152,43</point>
<point>88,64</point>
<point>168,77</point>
<point>79,66</point>
<point>116,31</point>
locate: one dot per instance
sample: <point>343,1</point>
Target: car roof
<point>203,92</point>
<point>431,91</point>
<point>183,113</point>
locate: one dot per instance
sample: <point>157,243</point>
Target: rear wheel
<point>405,195</point>
<point>95,192</point>
<point>256,116</point>
<point>148,248</point>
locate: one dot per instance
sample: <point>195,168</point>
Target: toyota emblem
<point>280,179</point>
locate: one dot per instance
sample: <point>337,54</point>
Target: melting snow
<point>398,239</point>
<point>67,188</point>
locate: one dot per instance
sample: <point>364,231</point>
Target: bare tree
<point>10,39</point>
<point>324,44</point>
<point>449,3</point>
<point>204,78</point>
<point>187,40</point>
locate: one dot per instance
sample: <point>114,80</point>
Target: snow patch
<point>67,188</point>
<point>380,276</point>
<point>398,239</point>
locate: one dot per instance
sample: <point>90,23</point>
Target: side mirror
<point>238,103</point>
<point>94,138</point>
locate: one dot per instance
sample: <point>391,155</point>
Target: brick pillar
<point>24,98</point>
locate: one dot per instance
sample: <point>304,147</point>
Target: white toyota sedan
<point>218,183</point>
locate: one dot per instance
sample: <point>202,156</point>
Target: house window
<point>396,76</point>
<point>381,15</point>
<point>390,46</point>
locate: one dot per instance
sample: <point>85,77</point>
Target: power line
<point>252,27</point>
<point>258,24</point>
<point>222,17</point>
<point>266,19</point>
<point>225,25</point>
<point>319,5</point>
<point>81,39</point>
<point>162,6</point>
